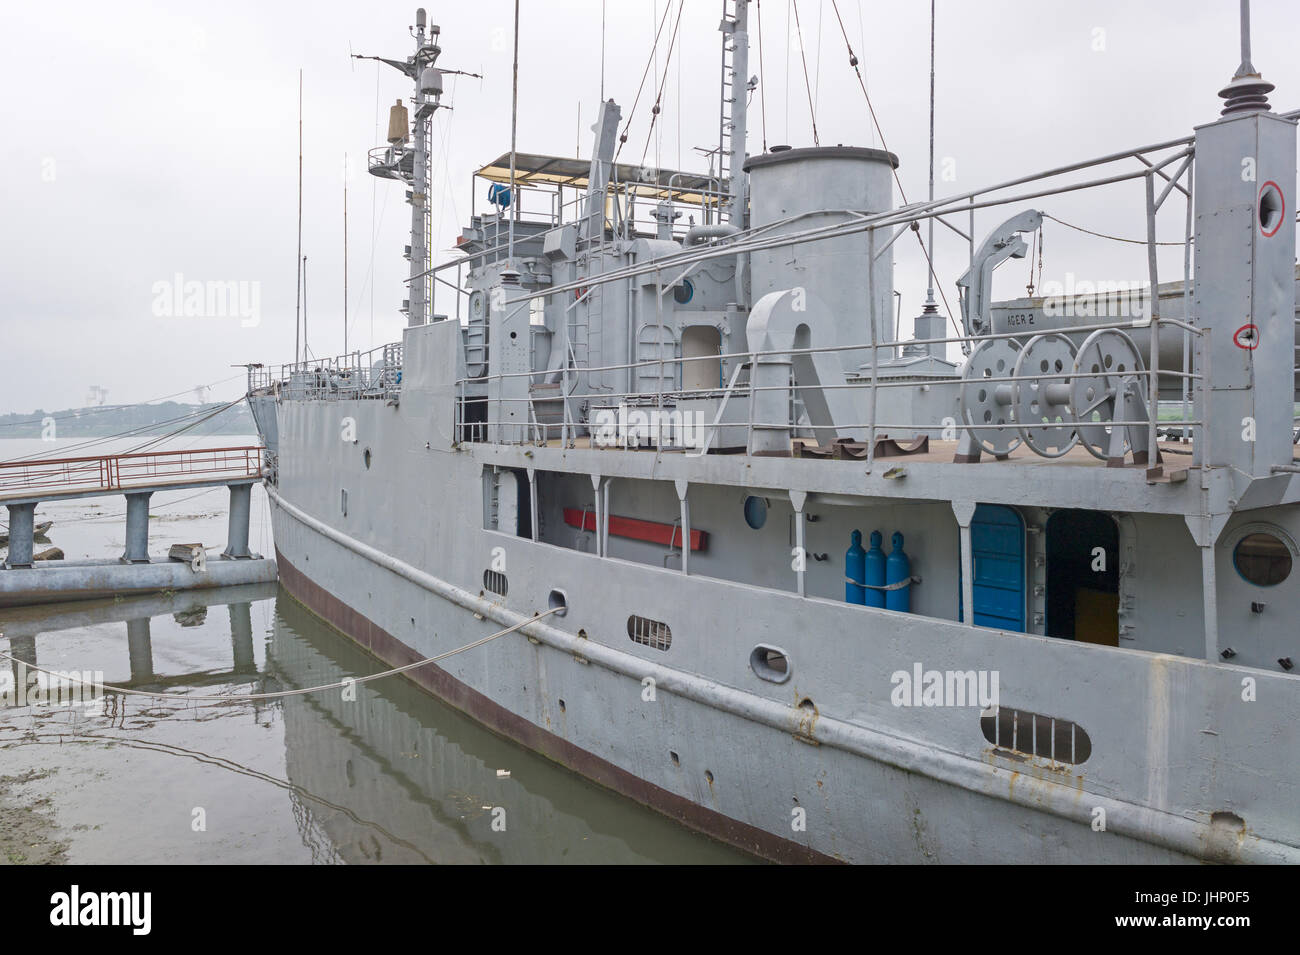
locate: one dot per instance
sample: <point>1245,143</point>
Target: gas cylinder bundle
<point>874,579</point>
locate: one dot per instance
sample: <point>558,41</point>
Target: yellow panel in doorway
<point>1096,617</point>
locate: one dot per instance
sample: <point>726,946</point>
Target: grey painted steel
<point>812,183</point>
<point>237,534</point>
<point>137,527</point>
<point>22,530</point>
<point>800,306</point>
<point>56,582</point>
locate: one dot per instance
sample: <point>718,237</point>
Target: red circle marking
<point>1251,343</point>
<point>1281,215</point>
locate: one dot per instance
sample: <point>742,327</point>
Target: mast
<point>297,266</point>
<point>420,171</point>
<point>412,164</point>
<point>514,124</point>
<point>735,40</point>
<point>345,253</point>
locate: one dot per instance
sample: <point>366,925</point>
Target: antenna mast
<point>1248,91</point>
<point>735,89</point>
<point>345,253</point>
<point>297,305</point>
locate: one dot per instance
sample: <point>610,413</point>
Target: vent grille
<point>1036,735</point>
<point>650,633</point>
<point>495,581</point>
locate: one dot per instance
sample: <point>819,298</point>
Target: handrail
<point>109,472</point>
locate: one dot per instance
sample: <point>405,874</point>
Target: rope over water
<point>280,694</point>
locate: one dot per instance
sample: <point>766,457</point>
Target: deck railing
<point>112,472</point>
<point>373,374</point>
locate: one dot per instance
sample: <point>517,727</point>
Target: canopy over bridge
<point>535,169</point>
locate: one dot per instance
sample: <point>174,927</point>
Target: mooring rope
<point>281,694</point>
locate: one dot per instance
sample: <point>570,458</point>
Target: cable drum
<point>1105,359</point>
<point>1042,404</point>
<point>986,403</point>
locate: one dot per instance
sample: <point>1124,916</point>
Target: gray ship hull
<point>823,767</point>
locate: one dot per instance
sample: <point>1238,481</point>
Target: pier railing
<point>112,472</point>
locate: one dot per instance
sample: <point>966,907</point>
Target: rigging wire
<point>812,112</point>
<point>655,110</point>
<point>84,413</point>
<point>1103,235</point>
<point>853,62</point>
<point>631,114</point>
<point>129,433</point>
<point>762,80</point>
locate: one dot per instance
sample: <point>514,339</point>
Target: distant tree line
<point>104,420</point>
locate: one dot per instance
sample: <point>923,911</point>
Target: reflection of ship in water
<point>396,777</point>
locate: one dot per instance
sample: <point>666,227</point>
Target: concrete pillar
<point>21,526</point>
<point>137,528</point>
<point>241,637</point>
<point>241,496</point>
<point>964,511</point>
<point>139,648</point>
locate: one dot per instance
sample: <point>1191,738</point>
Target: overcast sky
<point>147,140</point>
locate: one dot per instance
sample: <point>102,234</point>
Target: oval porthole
<point>770,663</point>
<point>755,511</point>
<point>365,456</point>
<point>1271,208</point>
<point>1262,559</point>
<point>683,293</point>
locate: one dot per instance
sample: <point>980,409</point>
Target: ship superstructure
<point>815,589</point>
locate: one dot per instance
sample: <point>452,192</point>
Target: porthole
<point>1262,559</point>
<point>755,511</point>
<point>365,457</point>
<point>1271,209</point>
<point>683,293</point>
<point>770,663</point>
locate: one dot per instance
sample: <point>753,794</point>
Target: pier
<point>137,476</point>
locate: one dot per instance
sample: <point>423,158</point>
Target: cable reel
<point>1042,404</point>
<point>987,405</point>
<point>1104,360</point>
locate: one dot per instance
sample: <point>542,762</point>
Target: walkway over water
<point>137,475</point>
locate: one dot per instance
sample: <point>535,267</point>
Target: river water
<point>391,777</point>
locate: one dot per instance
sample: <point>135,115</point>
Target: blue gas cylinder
<point>897,569</point>
<point>874,565</point>
<point>854,570</point>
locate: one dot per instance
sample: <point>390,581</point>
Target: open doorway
<point>1083,577</point>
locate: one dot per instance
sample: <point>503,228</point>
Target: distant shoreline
<point>104,421</point>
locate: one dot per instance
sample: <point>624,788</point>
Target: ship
<point>654,486</point>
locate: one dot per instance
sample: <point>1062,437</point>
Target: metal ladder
<point>727,95</point>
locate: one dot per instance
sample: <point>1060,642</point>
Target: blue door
<point>998,549</point>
